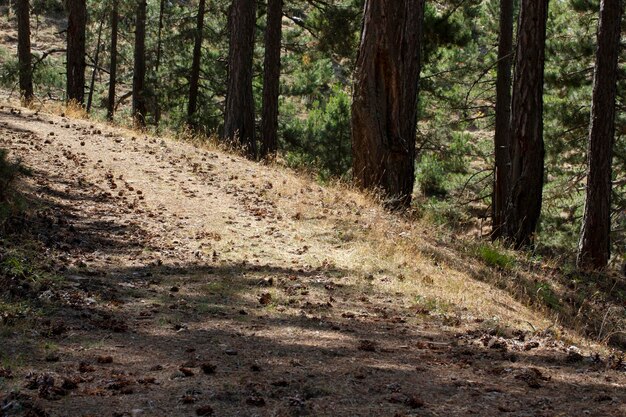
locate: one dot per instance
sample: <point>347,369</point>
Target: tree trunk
<point>502,135</point>
<point>113,64</point>
<point>194,78</point>
<point>139,73</point>
<point>23,50</point>
<point>271,78</point>
<point>594,248</point>
<point>239,112</point>
<point>157,65</point>
<point>77,21</point>
<point>527,149</point>
<point>95,67</point>
<point>384,107</point>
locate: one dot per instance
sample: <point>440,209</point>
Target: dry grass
<point>407,259</point>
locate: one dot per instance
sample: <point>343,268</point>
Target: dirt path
<point>194,282</point>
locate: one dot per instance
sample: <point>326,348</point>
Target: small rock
<point>414,401</point>
<point>186,371</point>
<point>85,367</point>
<point>497,344</point>
<point>105,359</point>
<point>396,398</point>
<point>208,368</point>
<point>255,400</point>
<point>367,346</point>
<point>205,410</point>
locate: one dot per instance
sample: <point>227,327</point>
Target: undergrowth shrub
<point>431,175</point>
<point>495,257</point>
<point>10,202</point>
<point>321,142</point>
<point>8,68</point>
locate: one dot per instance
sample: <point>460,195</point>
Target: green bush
<point>47,6</point>
<point>493,257</point>
<point>431,174</point>
<point>8,68</point>
<point>10,202</point>
<point>320,142</point>
<point>49,77</point>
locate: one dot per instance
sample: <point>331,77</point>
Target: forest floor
<point>174,280</point>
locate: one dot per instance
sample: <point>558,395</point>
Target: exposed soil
<point>193,282</point>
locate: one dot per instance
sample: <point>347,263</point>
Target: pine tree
<point>23,50</point>
<point>384,108</point>
<point>139,73</point>
<point>503,118</point>
<point>594,247</point>
<point>76,27</point>
<point>527,147</point>
<point>195,66</point>
<point>271,78</point>
<point>239,112</point>
<point>113,64</point>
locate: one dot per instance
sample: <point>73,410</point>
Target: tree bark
<point>77,21</point>
<point>384,107</point>
<point>502,135</point>
<point>271,78</point>
<point>157,65</point>
<point>594,249</point>
<point>527,148</point>
<point>113,64</point>
<point>194,78</point>
<point>23,51</point>
<point>139,73</point>
<point>239,112</point>
<point>95,67</point>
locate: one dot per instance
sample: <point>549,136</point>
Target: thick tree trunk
<point>139,73</point>
<point>527,149</point>
<point>76,24</point>
<point>503,118</point>
<point>113,64</point>
<point>239,113</point>
<point>384,107</point>
<point>96,60</point>
<point>23,50</point>
<point>194,78</point>
<point>271,78</point>
<point>594,247</point>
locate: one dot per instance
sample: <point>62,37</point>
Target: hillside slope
<point>186,279</point>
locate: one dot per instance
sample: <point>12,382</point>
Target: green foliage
<point>322,140</point>
<point>431,174</point>
<point>431,305</point>
<point>49,78</point>
<point>546,294</point>
<point>9,172</point>
<point>10,202</point>
<point>9,68</point>
<point>337,27</point>
<point>47,6</point>
<point>442,212</point>
<point>495,257</point>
